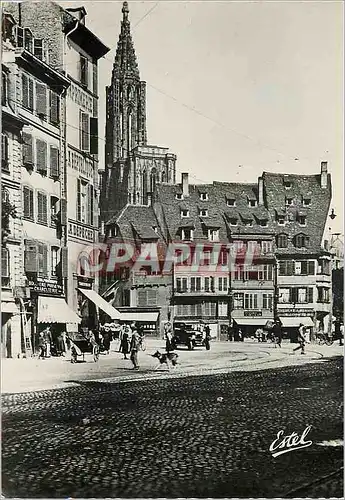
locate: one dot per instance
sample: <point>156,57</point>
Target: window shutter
<point>84,131</point>
<point>41,156</point>
<point>307,241</point>
<point>27,150</point>
<point>90,207</point>
<point>64,262</point>
<point>25,91</point>
<point>304,267</point>
<point>42,260</point>
<point>31,257</point>
<point>20,37</point>
<point>28,203</point>
<point>151,297</point>
<point>54,108</point>
<point>54,162</point>
<point>38,48</point>
<point>310,295</point>
<point>4,151</point>
<point>63,212</point>
<point>78,199</point>
<point>42,208</point>
<point>5,272</point>
<point>141,297</point>
<point>293,295</point>
<point>311,267</point>
<point>93,136</point>
<point>41,99</point>
<point>31,95</point>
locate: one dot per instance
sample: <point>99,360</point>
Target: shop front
<point>48,308</point>
<point>248,321</point>
<point>291,319</point>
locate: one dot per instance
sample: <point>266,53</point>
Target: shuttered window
<point>4,152</point>
<point>54,162</point>
<point>54,103</point>
<point>42,260</point>
<point>83,70</point>
<point>42,214</point>
<point>54,261</point>
<point>27,92</point>
<point>41,100</point>
<point>5,263</point>
<point>310,295</point>
<point>78,199</point>
<point>147,297</point>
<point>41,156</point>
<point>38,48</point>
<point>94,136</point>
<point>84,131</point>
<point>28,203</point>
<point>28,157</point>
<point>30,257</point>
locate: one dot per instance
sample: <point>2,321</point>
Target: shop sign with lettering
<point>85,283</point>
<point>253,313</point>
<point>46,286</point>
<point>295,312</point>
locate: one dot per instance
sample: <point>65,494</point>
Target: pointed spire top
<point>125,11</point>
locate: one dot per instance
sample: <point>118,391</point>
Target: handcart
<point>81,345</point>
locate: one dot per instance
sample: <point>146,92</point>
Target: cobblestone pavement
<point>25,375</point>
<point>195,436</point>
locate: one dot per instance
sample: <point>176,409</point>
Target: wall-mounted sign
<point>295,312</point>
<point>50,287</point>
<point>252,313</point>
<point>85,283</point>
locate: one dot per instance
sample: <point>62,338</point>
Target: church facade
<point>132,166</point>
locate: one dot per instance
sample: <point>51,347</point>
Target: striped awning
<point>55,310</point>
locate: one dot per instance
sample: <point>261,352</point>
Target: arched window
<point>153,180</point>
<point>163,176</point>
<point>282,241</point>
<point>5,266</point>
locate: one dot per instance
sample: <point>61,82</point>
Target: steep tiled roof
<point>136,220</point>
<point>302,186</point>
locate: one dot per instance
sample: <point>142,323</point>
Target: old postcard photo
<point>172,249</point>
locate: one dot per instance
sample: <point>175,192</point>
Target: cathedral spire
<point>125,64</point>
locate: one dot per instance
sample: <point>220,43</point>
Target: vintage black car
<point>184,334</point>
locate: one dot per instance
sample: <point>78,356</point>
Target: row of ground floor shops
<point>24,320</point>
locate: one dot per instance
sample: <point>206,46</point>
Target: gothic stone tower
<point>132,167</point>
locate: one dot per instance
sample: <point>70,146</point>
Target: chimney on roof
<point>79,13</point>
<point>323,174</point>
<point>261,191</point>
<point>185,187</point>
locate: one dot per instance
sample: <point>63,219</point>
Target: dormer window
<point>302,241</point>
<point>248,222</point>
<point>287,182</point>
<point>252,203</point>
<point>213,234</point>
<point>155,228</point>
<point>203,212</point>
<point>302,219</point>
<point>288,202</point>
<point>179,196</point>
<point>281,220</point>
<point>306,202</point>
<point>184,213</point>
<point>233,221</point>
<point>282,241</point>
<point>203,196</point>
<point>263,222</point>
<point>187,234</point>
<point>231,202</point>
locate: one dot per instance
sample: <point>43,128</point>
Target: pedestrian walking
<point>124,342</point>
<point>168,334</point>
<point>301,339</point>
<point>42,344</point>
<point>106,339</point>
<point>259,334</point>
<point>134,347</point>
<point>48,341</point>
<point>207,332</point>
<point>277,333</point>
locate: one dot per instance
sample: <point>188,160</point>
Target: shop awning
<point>147,317</point>
<point>55,310</point>
<point>294,321</point>
<point>9,308</point>
<point>101,303</point>
<point>251,321</point>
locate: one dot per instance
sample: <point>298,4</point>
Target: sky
<point>236,88</point>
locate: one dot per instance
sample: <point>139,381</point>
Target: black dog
<point>165,358</point>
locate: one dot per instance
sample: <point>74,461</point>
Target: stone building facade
<point>262,253</point>
<point>57,96</point>
<point>132,166</point>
